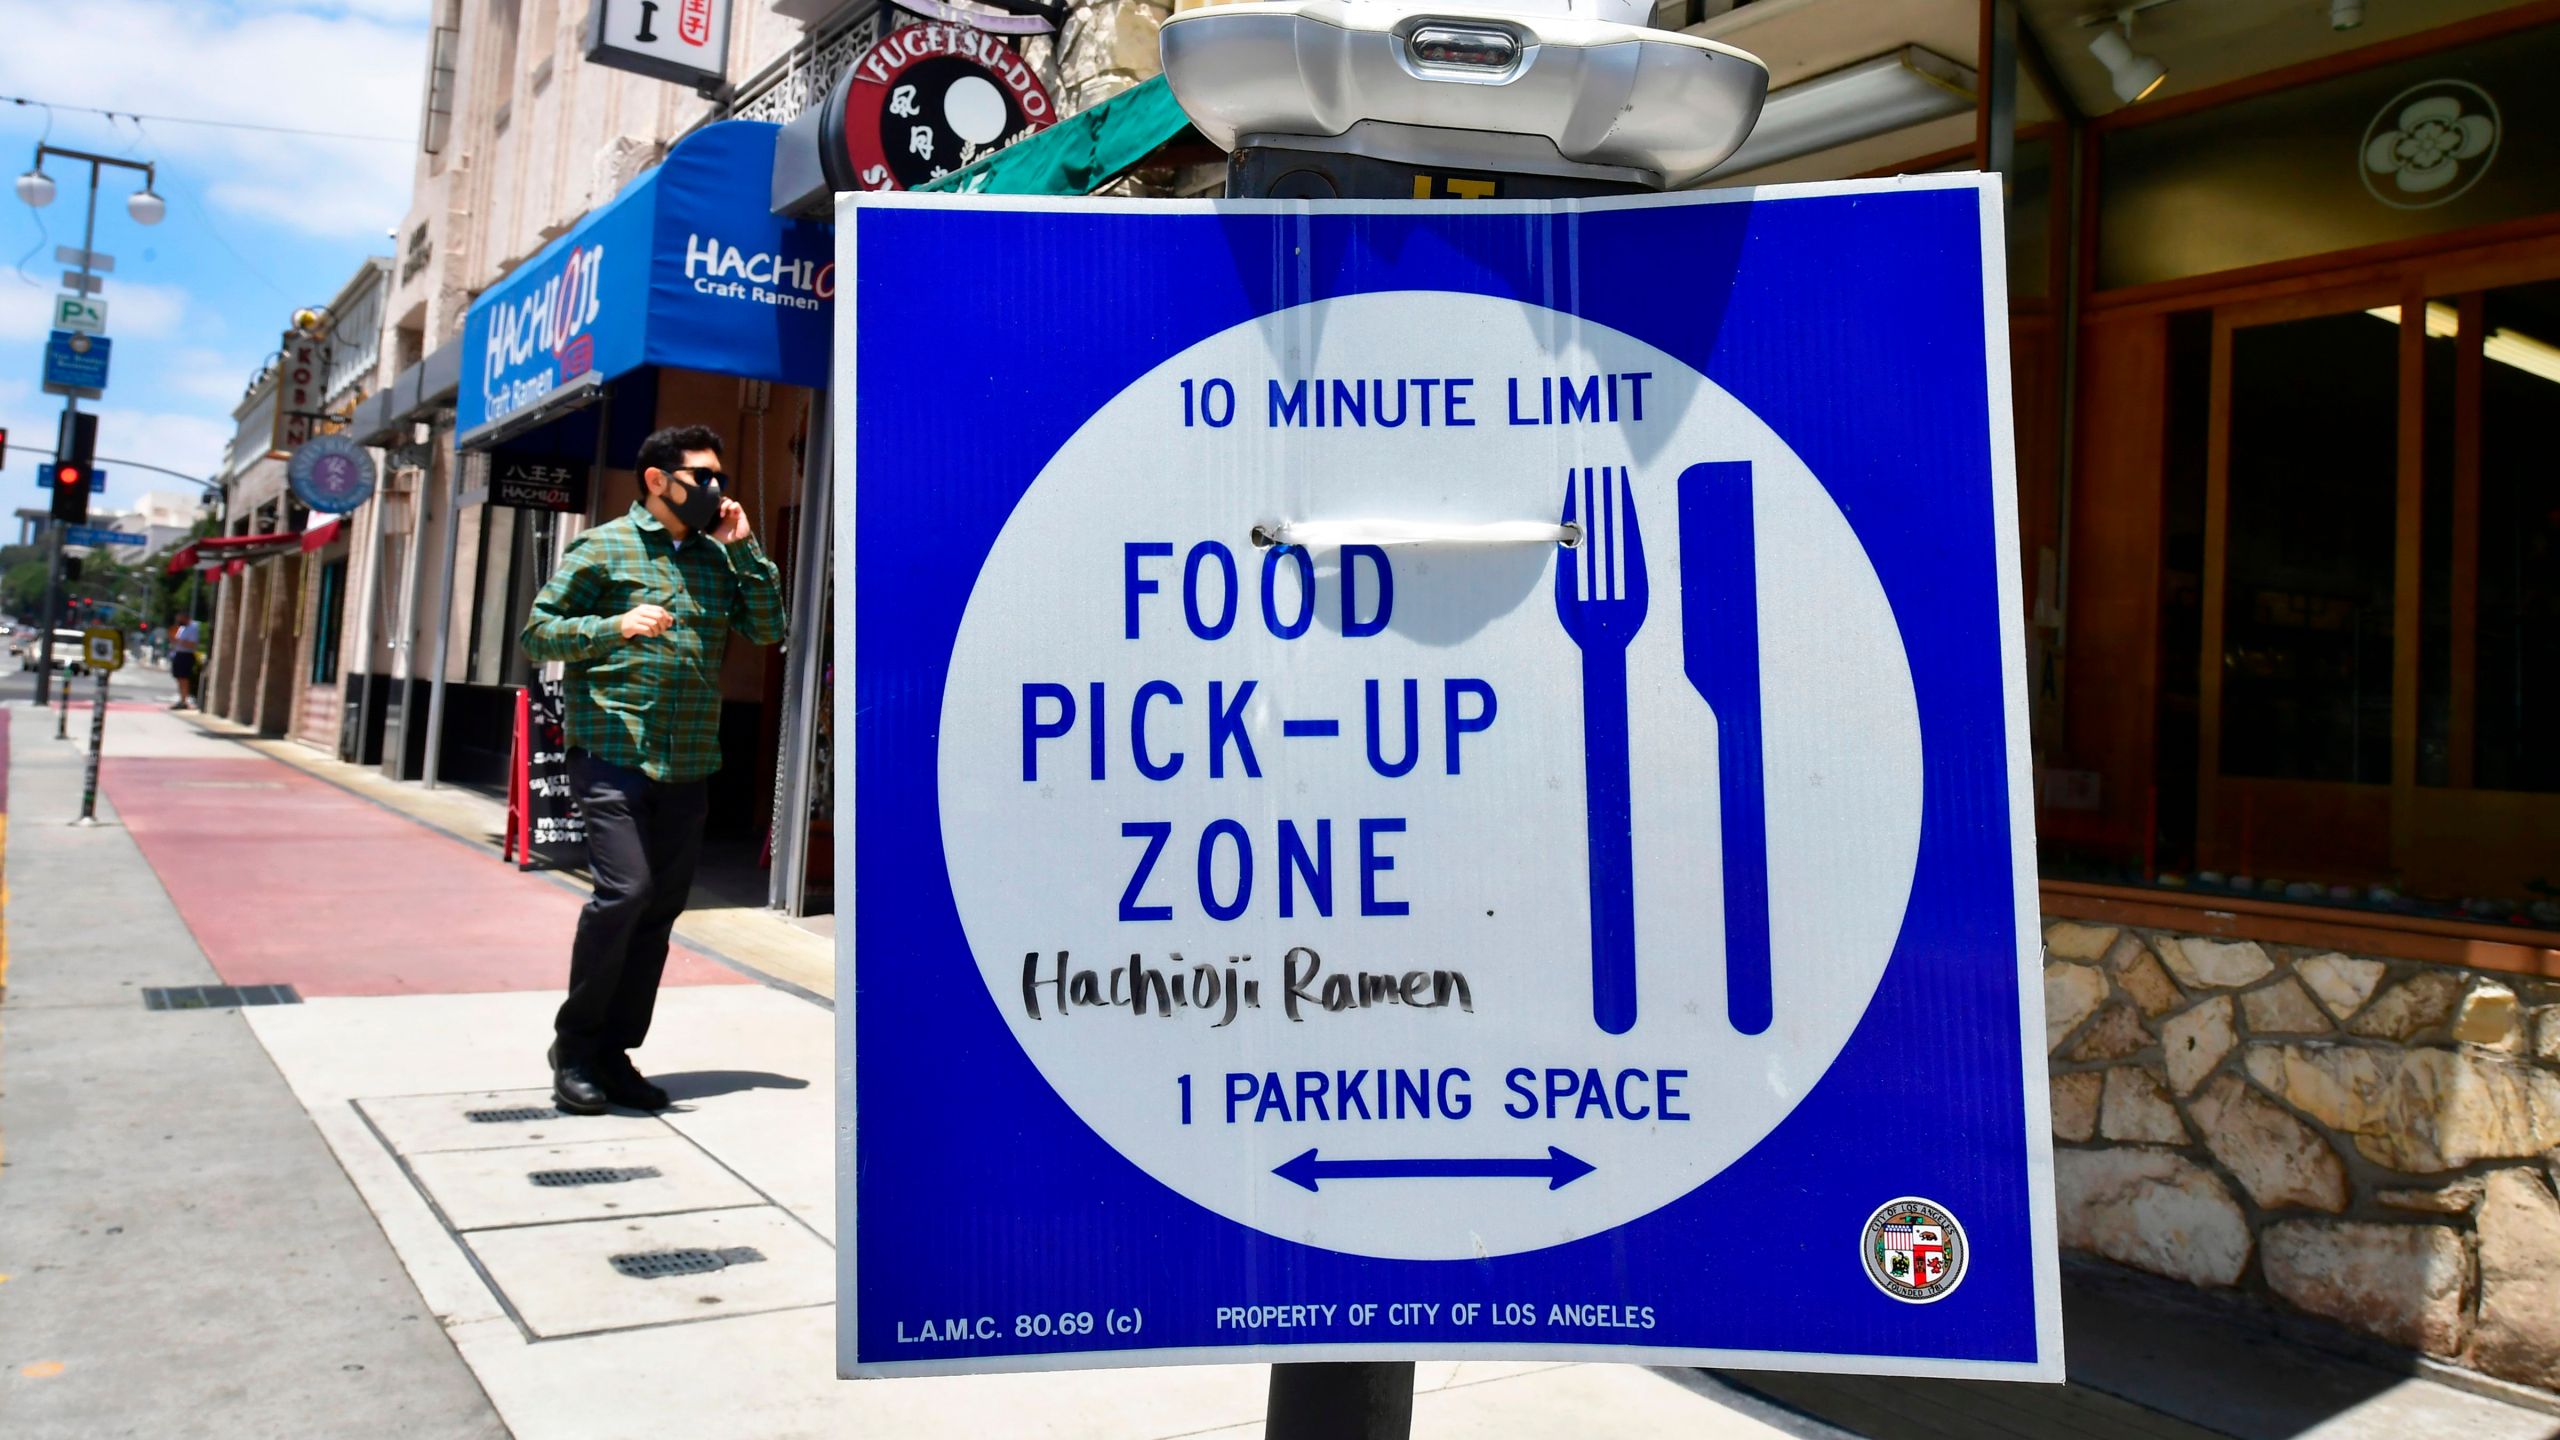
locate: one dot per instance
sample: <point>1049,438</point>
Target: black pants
<point>643,838</point>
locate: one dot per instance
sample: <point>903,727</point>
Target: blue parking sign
<point>76,363</point>
<point>1437,781</point>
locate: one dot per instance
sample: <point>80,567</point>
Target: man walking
<point>641,609</point>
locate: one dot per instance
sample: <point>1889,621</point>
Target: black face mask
<point>700,507</point>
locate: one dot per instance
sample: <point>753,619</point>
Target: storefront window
<point>327,619</point>
<point>2307,596</point>
<point>2517,692</point>
<point>489,637</point>
<point>2489,674</point>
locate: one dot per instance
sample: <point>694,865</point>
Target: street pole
<point>97,742</point>
<point>52,604</point>
<point>71,403</point>
<point>70,408</point>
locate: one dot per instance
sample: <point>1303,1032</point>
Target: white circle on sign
<point>1439,1131</point>
<point>974,109</point>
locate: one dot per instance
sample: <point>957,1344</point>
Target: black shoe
<point>576,1088</point>
<point>625,1085</point>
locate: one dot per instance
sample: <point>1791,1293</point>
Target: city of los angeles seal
<point>1915,1251</point>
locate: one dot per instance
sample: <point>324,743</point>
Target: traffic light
<point>70,571</point>
<point>4,446</point>
<point>75,463</point>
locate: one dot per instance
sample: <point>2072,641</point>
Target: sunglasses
<point>701,479</point>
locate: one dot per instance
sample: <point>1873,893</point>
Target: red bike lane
<point>287,879</point>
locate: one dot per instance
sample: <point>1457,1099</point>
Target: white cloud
<point>188,444</point>
<point>135,310</point>
<point>209,375</point>
<point>346,68</point>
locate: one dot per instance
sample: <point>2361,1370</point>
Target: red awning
<point>319,536</point>
<point>214,550</point>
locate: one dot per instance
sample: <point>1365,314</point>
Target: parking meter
<point>1513,99</point>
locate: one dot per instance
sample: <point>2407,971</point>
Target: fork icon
<point>1600,598</point>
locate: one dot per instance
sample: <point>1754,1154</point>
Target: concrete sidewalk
<point>183,1255</point>
<point>506,1219</point>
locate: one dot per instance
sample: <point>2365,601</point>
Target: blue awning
<point>685,268</point>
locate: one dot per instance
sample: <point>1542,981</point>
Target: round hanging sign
<point>331,474</point>
<point>925,101</point>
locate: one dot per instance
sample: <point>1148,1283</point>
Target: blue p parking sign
<point>1429,782</point>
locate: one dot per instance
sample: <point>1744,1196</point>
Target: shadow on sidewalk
<point>704,1084</point>
<point>2154,1360</point>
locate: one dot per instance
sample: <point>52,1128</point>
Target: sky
<point>258,224</point>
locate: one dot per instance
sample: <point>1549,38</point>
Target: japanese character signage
<point>685,41</point>
<point>332,474</point>
<point>925,101</point>
<point>1429,795</point>
<point>302,380</point>
<point>527,481</point>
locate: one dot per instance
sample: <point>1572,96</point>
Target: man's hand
<point>641,621</point>
<point>733,525</point>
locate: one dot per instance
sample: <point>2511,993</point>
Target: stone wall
<point>2374,1142</point>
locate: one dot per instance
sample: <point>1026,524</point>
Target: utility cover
<point>1438,782</point>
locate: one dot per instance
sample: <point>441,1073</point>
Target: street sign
<point>103,648</point>
<point>76,364</point>
<point>79,313</point>
<point>1421,790</point>
<point>98,260</point>
<point>86,284</point>
<point>97,477</point>
<point>100,535</point>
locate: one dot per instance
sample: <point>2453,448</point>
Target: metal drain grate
<point>659,1264</point>
<point>217,997</point>
<point>512,1115</point>
<point>601,1175</point>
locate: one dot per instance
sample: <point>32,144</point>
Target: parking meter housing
<point>1570,91</point>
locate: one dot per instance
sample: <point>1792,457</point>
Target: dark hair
<point>664,450</point>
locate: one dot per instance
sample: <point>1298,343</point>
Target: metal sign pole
<point>97,741</point>
<point>1353,1401</point>
<point>62,716</point>
<point>52,605</point>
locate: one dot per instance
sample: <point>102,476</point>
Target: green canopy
<point>1079,154</point>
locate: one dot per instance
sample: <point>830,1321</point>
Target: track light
<point>2133,74</point>
<point>36,188</point>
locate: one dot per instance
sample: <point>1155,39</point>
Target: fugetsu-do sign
<point>1436,781</point>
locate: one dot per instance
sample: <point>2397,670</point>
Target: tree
<point>22,589</point>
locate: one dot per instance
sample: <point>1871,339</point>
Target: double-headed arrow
<point>1556,1168</point>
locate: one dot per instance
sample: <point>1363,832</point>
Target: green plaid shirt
<point>651,704</point>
